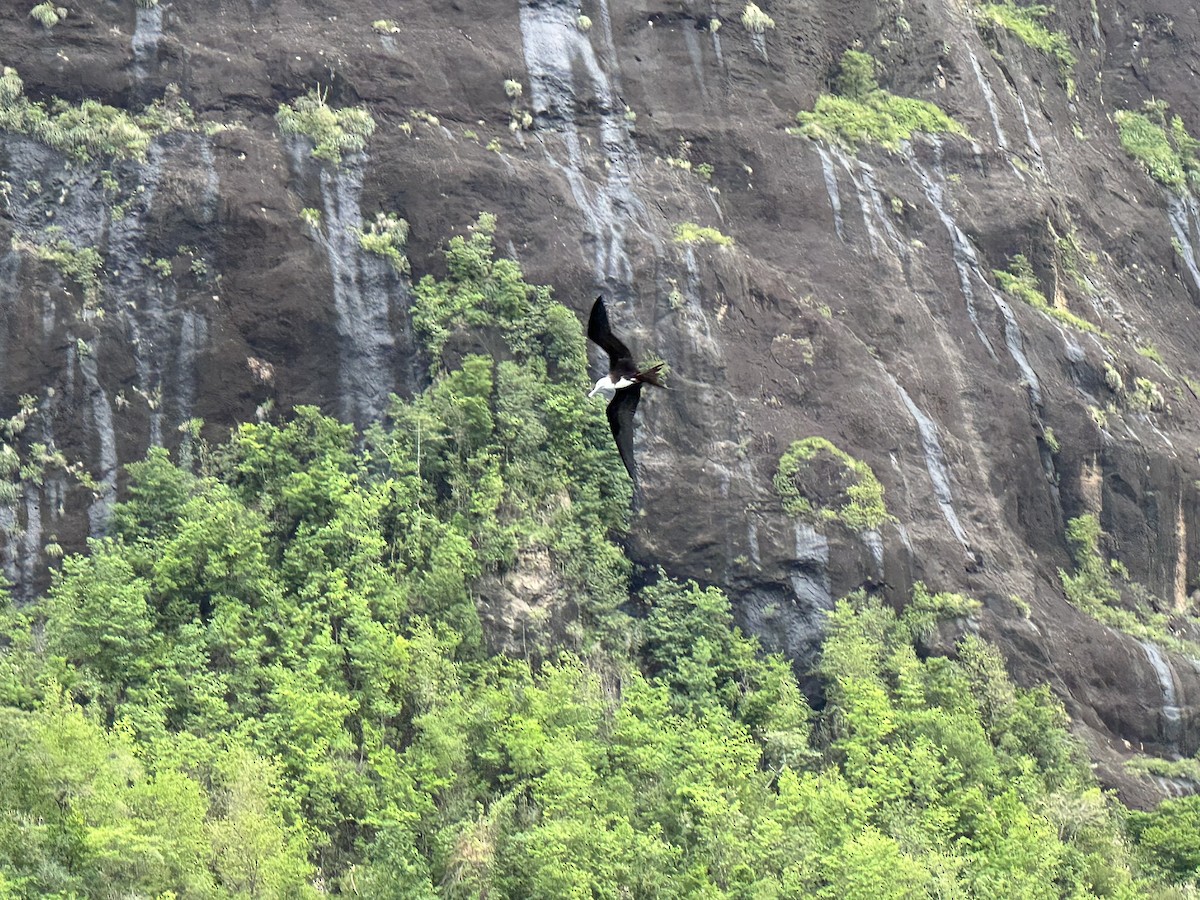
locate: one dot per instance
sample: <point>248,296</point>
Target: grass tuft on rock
<point>691,233</point>
<point>861,112</point>
<point>1165,148</point>
<point>1025,24</point>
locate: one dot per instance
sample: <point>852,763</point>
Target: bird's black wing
<point>602,335</point>
<point>620,419</point>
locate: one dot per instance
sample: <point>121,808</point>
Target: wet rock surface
<point>857,300</point>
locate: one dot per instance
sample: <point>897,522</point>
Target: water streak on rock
<point>696,54</point>
<point>31,544</point>
<point>564,72</point>
<point>1171,723</point>
<point>1185,222</point>
<point>147,32</point>
<point>810,573</point>
<point>966,261</point>
<point>935,463</point>
<point>363,290</point>
<point>989,98</point>
<point>1030,139</point>
<point>831,188</point>
<point>106,443</point>
<point>964,255</point>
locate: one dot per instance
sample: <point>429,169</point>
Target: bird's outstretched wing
<point>602,335</point>
<point>620,419</point>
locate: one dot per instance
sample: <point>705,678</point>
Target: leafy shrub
<point>333,132</point>
<point>869,114</point>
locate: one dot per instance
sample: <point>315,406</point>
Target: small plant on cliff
<point>1146,396</point>
<point>691,233</point>
<point>583,23</point>
<point>311,217</point>
<point>755,19</point>
<point>48,14</point>
<point>862,112</point>
<point>844,489</point>
<point>1025,24</point>
<point>1020,281</point>
<point>386,237</point>
<point>1165,148</point>
<point>79,264</point>
<point>385,26</point>
<point>333,132</point>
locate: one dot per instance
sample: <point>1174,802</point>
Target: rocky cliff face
<point>857,300</point>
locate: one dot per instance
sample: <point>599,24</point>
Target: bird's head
<point>604,387</point>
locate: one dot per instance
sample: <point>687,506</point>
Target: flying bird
<point>622,386</point>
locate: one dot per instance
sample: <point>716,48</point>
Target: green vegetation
<point>48,14</point>
<point>819,481</point>
<point>1021,282</point>
<point>386,237</point>
<point>1025,24</point>
<point>755,20</point>
<point>89,130</point>
<point>859,111</point>
<point>82,265</point>
<point>1091,588</point>
<point>1165,148</point>
<point>1146,396</point>
<point>691,233</point>
<point>333,132</point>
<point>385,26</point>
<point>270,680</point>
<point>1150,352</point>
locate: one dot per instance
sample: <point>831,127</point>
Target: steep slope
<point>857,299</point>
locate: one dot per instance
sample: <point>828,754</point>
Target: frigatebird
<point>622,386</point>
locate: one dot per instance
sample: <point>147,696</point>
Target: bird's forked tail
<point>650,376</point>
